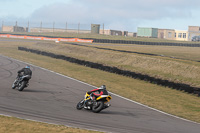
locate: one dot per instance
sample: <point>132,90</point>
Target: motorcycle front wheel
<point>22,85</point>
<point>14,84</point>
<point>80,105</point>
<point>97,107</point>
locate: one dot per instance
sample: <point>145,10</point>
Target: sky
<point>124,15</point>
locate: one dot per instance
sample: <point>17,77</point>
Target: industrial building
<point>110,32</point>
<point>166,34</point>
<point>147,32</point>
<point>14,29</point>
<point>181,35</point>
<point>193,31</point>
<point>169,34</point>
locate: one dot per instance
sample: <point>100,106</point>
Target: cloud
<point>60,12</point>
<point>121,14</point>
<point>7,1</point>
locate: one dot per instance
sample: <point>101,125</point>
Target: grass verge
<point>16,125</point>
<point>174,70</point>
<point>168,100</point>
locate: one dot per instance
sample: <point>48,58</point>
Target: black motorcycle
<point>21,82</point>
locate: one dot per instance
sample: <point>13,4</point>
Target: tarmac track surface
<point>52,98</point>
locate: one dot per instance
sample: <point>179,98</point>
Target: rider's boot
<point>85,104</point>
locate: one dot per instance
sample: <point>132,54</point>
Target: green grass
<point>15,125</point>
<point>166,99</point>
<point>186,53</point>
<point>176,70</point>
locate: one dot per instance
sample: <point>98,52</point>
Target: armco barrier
<point>166,83</point>
<point>46,38</point>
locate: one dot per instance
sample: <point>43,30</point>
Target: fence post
<point>28,27</point>
<point>103,28</point>
<point>78,27</point>
<point>66,27</point>
<point>41,26</point>
<point>15,27</point>
<point>53,26</point>
<point>2,26</point>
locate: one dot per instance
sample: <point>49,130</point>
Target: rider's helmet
<point>27,67</point>
<point>103,87</point>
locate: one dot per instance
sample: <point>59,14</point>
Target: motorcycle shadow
<point>35,91</point>
<point>129,114</point>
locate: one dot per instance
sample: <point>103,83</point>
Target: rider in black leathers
<point>25,71</point>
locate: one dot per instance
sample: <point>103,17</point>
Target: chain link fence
<point>44,27</point>
<point>18,26</point>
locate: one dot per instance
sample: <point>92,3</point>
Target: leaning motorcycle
<point>21,82</point>
<point>95,105</point>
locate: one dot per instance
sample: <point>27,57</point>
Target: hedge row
<point>166,83</point>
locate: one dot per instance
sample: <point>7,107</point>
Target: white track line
<point>109,92</point>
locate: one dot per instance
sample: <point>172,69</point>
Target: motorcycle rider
<point>25,71</point>
<point>101,91</point>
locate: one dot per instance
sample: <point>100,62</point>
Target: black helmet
<point>103,87</point>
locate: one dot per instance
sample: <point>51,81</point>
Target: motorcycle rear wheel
<point>98,107</point>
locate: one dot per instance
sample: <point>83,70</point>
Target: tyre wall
<point>179,86</point>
